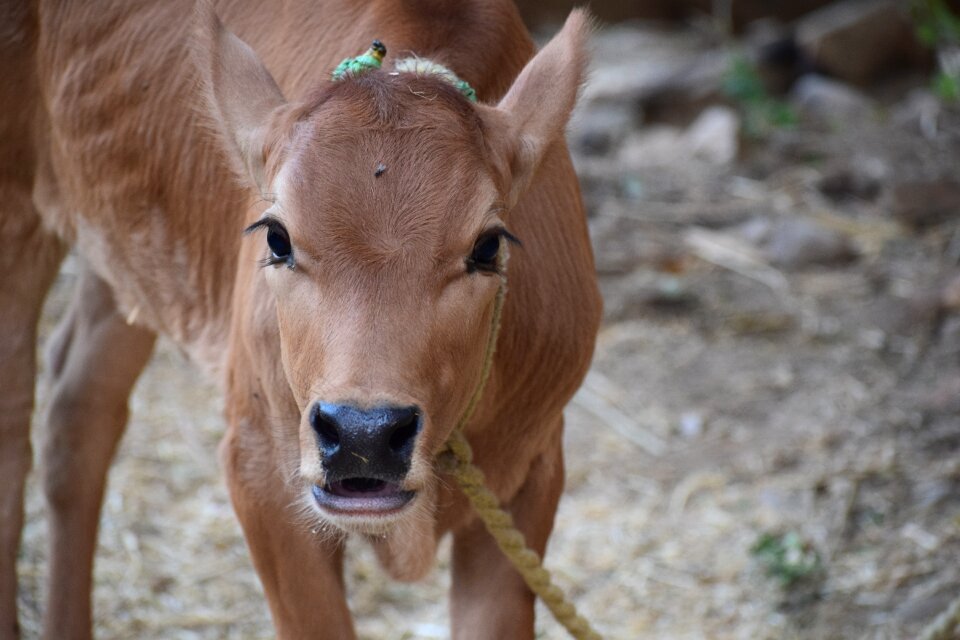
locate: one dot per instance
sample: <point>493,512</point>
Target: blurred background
<point>768,444</point>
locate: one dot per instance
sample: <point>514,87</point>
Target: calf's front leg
<point>301,571</point>
<point>489,598</point>
<point>94,363</point>
<point>29,259</point>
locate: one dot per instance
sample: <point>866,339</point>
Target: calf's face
<point>390,197</point>
<point>383,234</point>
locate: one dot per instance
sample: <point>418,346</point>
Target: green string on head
<point>370,59</point>
<point>425,67</point>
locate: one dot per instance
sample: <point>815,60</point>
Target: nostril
<point>327,432</point>
<point>405,432</point>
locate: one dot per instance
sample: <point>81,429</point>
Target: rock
<point>860,177</point>
<point>920,111</point>
<point>628,246</point>
<point>942,397</point>
<point>679,96</point>
<point>672,91</point>
<point>902,317</point>
<point>659,145</point>
<point>923,203</point>
<point>596,129</point>
<point>691,424</point>
<point>950,295</point>
<point>712,138</point>
<point>771,47</point>
<point>829,100</point>
<point>714,135</point>
<point>921,609</point>
<point>630,63</point>
<point>797,242</point>
<point>667,293</point>
<point>756,231</point>
<point>741,11</point>
<point>859,40</point>
<point>642,293</point>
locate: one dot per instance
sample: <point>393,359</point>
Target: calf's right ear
<point>238,93</point>
<point>533,114</point>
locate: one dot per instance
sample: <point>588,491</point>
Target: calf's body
<point>147,137</point>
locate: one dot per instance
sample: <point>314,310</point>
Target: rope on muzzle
<point>457,460</point>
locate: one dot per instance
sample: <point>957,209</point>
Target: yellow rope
<point>458,461</point>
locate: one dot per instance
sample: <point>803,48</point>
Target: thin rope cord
<point>457,460</point>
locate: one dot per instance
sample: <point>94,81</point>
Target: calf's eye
<point>484,255</point>
<point>486,249</point>
<point>277,239</point>
<point>279,243</point>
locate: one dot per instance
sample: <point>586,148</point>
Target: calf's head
<point>390,199</point>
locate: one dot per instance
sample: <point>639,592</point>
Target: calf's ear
<point>239,96</point>
<point>534,113</point>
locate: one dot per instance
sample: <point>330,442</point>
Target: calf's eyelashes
<point>280,249</point>
<point>278,240</point>
<point>483,257</point>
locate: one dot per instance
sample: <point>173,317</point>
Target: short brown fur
<point>148,142</point>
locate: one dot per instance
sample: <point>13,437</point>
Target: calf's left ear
<point>238,93</point>
<point>534,113</point>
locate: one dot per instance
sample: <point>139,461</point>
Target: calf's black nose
<point>365,443</point>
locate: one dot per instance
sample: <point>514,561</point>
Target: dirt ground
<point>737,392</point>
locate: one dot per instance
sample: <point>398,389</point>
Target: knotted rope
<point>457,460</point>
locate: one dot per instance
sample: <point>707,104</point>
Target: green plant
<point>939,29</point>
<point>947,86</point>
<point>761,112</point>
<point>786,557</point>
<point>934,23</point>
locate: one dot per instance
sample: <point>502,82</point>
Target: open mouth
<point>362,496</point>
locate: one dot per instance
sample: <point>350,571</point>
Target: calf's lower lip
<point>361,496</point>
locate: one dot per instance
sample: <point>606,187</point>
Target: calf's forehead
<point>426,180</point>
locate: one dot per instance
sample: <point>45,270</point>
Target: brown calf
<point>347,327</point>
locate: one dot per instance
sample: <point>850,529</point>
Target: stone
<point>599,128</point>
<point>902,317</point>
<point>653,146</point>
<point>924,203</point>
<point>671,87</point>
<point>712,138</point>
<point>714,135</point>
<point>630,63</point>
<point>950,295</point>
<point>859,40</point>
<point>770,46</point>
<point>691,424</point>
<point>859,177</point>
<point>797,242</point>
<point>920,111</point>
<point>681,95</point>
<point>828,100</point>
<point>681,11</point>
